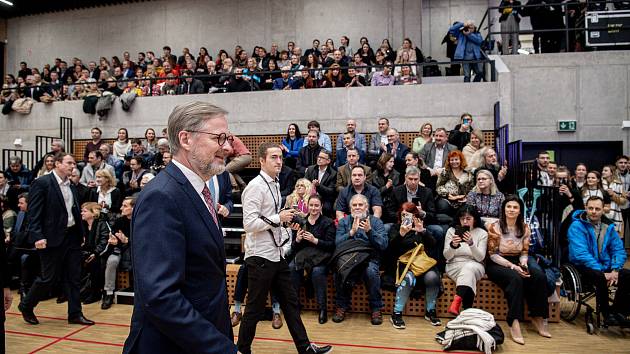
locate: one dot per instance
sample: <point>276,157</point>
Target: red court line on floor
<point>58,340</point>
<point>361,346</point>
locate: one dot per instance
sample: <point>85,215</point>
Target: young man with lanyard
<point>264,254</point>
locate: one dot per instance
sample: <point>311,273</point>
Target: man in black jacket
<point>55,228</point>
<point>190,86</point>
<point>324,179</point>
<point>309,153</point>
<point>460,135</point>
<point>412,191</point>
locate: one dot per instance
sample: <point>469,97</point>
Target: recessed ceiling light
<point>6,2</point>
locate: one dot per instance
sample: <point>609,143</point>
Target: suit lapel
<point>198,204</point>
<point>55,186</point>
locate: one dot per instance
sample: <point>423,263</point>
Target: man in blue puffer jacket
<point>468,48</point>
<point>597,251</point>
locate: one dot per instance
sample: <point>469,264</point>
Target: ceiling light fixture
<point>6,2</point>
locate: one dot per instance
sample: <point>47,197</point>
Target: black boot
<point>108,300</point>
<point>323,316</point>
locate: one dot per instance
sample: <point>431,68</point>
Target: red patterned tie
<point>207,196</point>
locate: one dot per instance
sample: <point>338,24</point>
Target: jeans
<point>372,280</point>
<point>476,67</point>
<point>110,273</point>
<point>319,277</point>
<point>432,283</point>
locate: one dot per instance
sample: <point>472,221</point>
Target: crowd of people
<point>321,65</point>
<point>375,198</point>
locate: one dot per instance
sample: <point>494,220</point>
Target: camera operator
<point>314,242</point>
<point>468,48</point>
<point>264,254</point>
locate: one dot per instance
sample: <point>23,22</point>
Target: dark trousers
<point>319,278</point>
<point>597,278</point>
<point>517,289</point>
<point>264,275</point>
<point>63,262</point>
<point>372,280</point>
<point>240,289</point>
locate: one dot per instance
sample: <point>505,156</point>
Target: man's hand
<point>315,182</point>
<point>91,184</point>
<point>365,225</point>
<point>124,239</point>
<point>611,278</point>
<point>41,244</point>
<point>355,226</point>
<point>112,240</point>
<point>222,210</point>
<point>286,215</point>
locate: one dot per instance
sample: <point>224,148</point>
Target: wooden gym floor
<point>354,335</point>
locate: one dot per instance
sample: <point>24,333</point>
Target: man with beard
<point>267,268</point>
<point>542,164</point>
<point>491,164</point>
<point>181,302</point>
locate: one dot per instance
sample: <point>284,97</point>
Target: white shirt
<point>105,196</point>
<point>194,179</point>
<point>262,197</point>
<point>67,197</point>
<point>439,157</point>
<point>320,174</point>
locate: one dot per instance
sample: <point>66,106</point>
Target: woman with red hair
<point>454,182</point>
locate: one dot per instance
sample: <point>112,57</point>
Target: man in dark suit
<point>221,189</point>
<point>397,149</point>
<point>412,191</point>
<point>56,230</point>
<point>32,90</point>
<point>181,302</point>
<point>190,86</point>
<point>435,154</point>
<point>324,178</point>
<point>95,72</point>
<point>309,153</point>
<point>345,172</point>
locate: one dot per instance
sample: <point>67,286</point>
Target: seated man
<point>378,142</point>
<point>95,163</point>
<point>342,150</point>
<point>397,149</point>
<point>359,186</point>
<point>324,179</point>
<point>284,82</point>
<point>598,253</point>
<point>345,171</point>
<point>238,158</point>
<point>364,231</point>
<point>138,150</point>
<point>308,154</point>
<point>411,191</point>
<point>324,140</point>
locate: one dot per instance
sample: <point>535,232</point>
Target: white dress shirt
<point>262,197</point>
<point>194,179</point>
<point>67,197</point>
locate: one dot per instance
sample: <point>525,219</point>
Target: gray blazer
<point>428,153</point>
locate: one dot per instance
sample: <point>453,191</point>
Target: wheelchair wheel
<point>570,293</point>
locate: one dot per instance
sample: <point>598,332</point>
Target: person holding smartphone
<point>511,268</point>
<point>464,251</point>
<point>460,135</point>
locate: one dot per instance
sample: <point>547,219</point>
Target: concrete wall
<point>216,24</point>
<point>593,88</point>
<point>260,113</point>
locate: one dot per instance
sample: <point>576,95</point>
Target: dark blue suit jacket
<point>181,303</point>
<point>341,158</point>
<point>225,191</point>
<point>48,215</point>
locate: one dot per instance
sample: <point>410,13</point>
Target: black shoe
<point>28,315</point>
<point>108,300</point>
<point>340,315</point>
<point>431,316</point>
<point>80,319</point>
<point>397,320</point>
<point>377,318</point>
<point>61,299</point>
<point>323,316</point>
<point>611,320</point>
<point>314,349</point>
<point>92,299</point>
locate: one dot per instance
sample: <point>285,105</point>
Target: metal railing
<point>42,144</point>
<point>558,7</point>
<point>25,155</point>
<point>65,133</point>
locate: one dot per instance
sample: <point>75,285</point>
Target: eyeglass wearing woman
<point>514,271</point>
<point>298,199</point>
<point>485,196</point>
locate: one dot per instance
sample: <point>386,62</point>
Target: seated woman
<point>313,244</point>
<point>454,183</point>
<point>334,77</point>
<point>385,177</point>
<point>298,199</point>
<point>464,251</point>
<point>511,268</point>
<point>475,144</point>
<point>106,194</point>
<point>118,251</point>
<point>404,236</point>
<point>426,136</point>
<point>485,196</point>
<point>94,243</point>
<point>49,165</point>
<point>618,200</point>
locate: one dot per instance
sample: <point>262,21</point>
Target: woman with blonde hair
<point>485,196</point>
<point>476,143</point>
<point>426,136</point>
<point>105,193</point>
<point>48,166</point>
<point>298,199</point>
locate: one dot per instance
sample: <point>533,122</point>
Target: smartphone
<point>466,121</point>
<point>407,220</point>
<point>461,230</point>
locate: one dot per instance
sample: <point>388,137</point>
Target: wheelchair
<point>575,293</point>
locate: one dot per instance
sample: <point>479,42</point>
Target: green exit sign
<point>567,125</point>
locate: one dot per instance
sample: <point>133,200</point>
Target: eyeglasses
<point>221,138</point>
<point>322,157</point>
